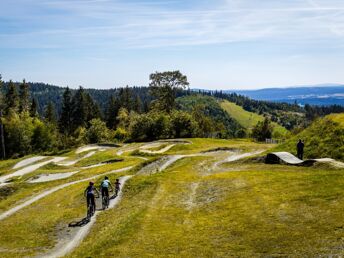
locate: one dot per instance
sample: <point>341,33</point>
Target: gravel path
<point>92,147</point>
<point>52,190</point>
<point>28,161</point>
<point>67,246</point>
<point>163,150</point>
<point>73,162</point>
<point>236,156</point>
<point>51,177</point>
<point>29,169</point>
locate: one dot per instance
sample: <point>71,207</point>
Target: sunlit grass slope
<point>248,119</point>
<point>324,138</point>
<point>247,210</point>
<point>191,209</point>
<point>207,144</point>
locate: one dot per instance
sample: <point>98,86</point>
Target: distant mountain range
<point>315,95</point>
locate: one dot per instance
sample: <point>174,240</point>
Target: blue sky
<point>218,44</point>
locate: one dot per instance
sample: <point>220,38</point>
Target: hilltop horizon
<point>221,42</point>
<point>228,89</point>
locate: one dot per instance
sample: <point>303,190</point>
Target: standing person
<point>300,146</point>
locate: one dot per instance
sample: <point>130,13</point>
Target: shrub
<point>97,132</point>
<point>120,134</point>
<point>18,132</point>
<point>263,130</point>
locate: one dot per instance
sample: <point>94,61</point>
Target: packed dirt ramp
<point>289,159</point>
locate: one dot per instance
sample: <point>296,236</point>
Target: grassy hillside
<point>211,108</point>
<point>245,212</point>
<point>248,119</point>
<point>245,118</point>
<point>324,138</point>
<point>194,208</point>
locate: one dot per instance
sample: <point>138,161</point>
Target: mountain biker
<point>117,186</point>
<point>104,187</point>
<point>89,193</point>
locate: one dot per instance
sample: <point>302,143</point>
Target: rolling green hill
<point>211,108</point>
<point>249,119</point>
<point>324,138</point>
<point>205,203</point>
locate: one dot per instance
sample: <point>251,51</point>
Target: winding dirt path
<point>236,156</point>
<point>51,177</point>
<point>29,169</point>
<point>70,242</point>
<point>92,147</point>
<point>160,164</point>
<point>163,150</point>
<point>28,161</point>
<point>54,189</point>
<point>67,246</point>
<point>68,163</point>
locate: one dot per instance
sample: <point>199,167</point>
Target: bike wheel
<point>104,202</point>
<point>89,211</point>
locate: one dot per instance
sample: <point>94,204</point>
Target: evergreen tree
<point>11,98</point>
<point>1,96</point>
<point>24,97</point>
<point>2,136</point>
<point>263,130</point>
<point>50,114</point>
<point>112,112</point>
<point>137,104</point>
<point>33,108</point>
<point>92,108</point>
<point>65,122</point>
<point>79,109</point>
<point>125,98</point>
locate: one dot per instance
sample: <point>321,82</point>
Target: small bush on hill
<point>324,138</point>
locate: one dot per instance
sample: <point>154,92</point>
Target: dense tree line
<point>313,112</point>
<point>40,118</point>
<point>129,114</point>
<point>288,115</point>
<point>43,94</point>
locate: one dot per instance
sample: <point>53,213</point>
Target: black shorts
<point>90,199</point>
<point>105,191</point>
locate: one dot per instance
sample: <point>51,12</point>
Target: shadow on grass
<point>86,220</point>
<point>80,223</point>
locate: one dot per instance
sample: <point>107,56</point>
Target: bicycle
<point>105,202</point>
<point>91,209</point>
<point>105,197</point>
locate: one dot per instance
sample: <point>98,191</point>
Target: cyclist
<point>89,193</point>
<point>104,187</point>
<point>117,186</point>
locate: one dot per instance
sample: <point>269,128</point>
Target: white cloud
<point>105,23</point>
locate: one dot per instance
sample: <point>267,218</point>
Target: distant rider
<point>300,146</point>
<point>89,193</point>
<point>117,186</point>
<point>104,187</point>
